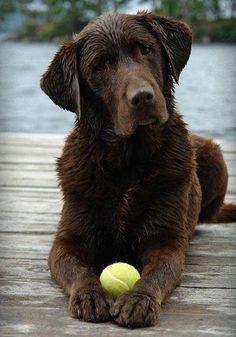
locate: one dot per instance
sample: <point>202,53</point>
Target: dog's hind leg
<point>213,177</point>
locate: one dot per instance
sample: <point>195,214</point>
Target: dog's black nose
<point>141,97</point>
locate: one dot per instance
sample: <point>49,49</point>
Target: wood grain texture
<point>33,305</point>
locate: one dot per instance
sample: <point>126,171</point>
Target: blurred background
<point>31,30</point>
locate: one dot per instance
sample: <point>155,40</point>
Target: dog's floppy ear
<point>60,82</point>
<point>174,36</point>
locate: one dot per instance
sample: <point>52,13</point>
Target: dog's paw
<point>91,305</point>
<point>135,310</point>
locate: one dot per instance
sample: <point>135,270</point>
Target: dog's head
<point>120,66</point>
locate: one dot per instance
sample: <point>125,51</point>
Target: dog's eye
<point>145,50</point>
<point>100,65</point>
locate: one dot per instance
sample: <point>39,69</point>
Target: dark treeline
<point>213,20</point>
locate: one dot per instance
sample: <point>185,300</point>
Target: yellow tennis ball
<point>119,277</point>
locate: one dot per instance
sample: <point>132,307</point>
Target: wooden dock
<point>33,305</point>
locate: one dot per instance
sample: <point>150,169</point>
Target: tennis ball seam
<point>116,279</point>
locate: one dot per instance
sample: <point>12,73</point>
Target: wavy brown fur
<point>135,182</point>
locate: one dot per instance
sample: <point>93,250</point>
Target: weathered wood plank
<point>26,170</point>
<point>229,198</point>
<point>57,140</point>
<point>209,260</point>
<point>28,222</point>
<point>29,193</point>
<point>30,149</point>
<point>44,214</point>
<point>41,203</point>
<point>27,167</point>
<point>194,257</point>
<point>7,192</point>
<point>194,276</point>
<point>30,204</point>
<point>24,158</point>
<point>47,294</point>
<point>41,179</point>
<point>39,293</point>
<point>32,139</point>
<point>26,245</point>
<point>37,156</point>
<point>215,232</point>
<point>203,307</point>
<point>36,205</point>
<point>55,322</point>
<point>48,179</point>
<point>52,147</point>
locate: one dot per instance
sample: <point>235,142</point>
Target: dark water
<point>206,95</point>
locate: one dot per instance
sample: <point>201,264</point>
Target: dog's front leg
<point>161,273</point>
<point>163,239</point>
<point>87,299</point>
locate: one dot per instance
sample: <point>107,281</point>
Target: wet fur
<point>131,193</point>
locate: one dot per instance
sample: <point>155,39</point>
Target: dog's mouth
<point>147,122</point>
<point>152,125</point>
<point>128,127</point>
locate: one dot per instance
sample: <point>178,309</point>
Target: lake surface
<point>206,95</point>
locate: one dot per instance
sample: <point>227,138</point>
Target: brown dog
<point>135,182</point>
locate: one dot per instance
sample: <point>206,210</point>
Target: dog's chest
<point>113,202</point>
<point>115,230</point>
<point>114,205</point>
<point>115,210</point>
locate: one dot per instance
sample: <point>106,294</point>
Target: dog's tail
<point>227,213</point>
